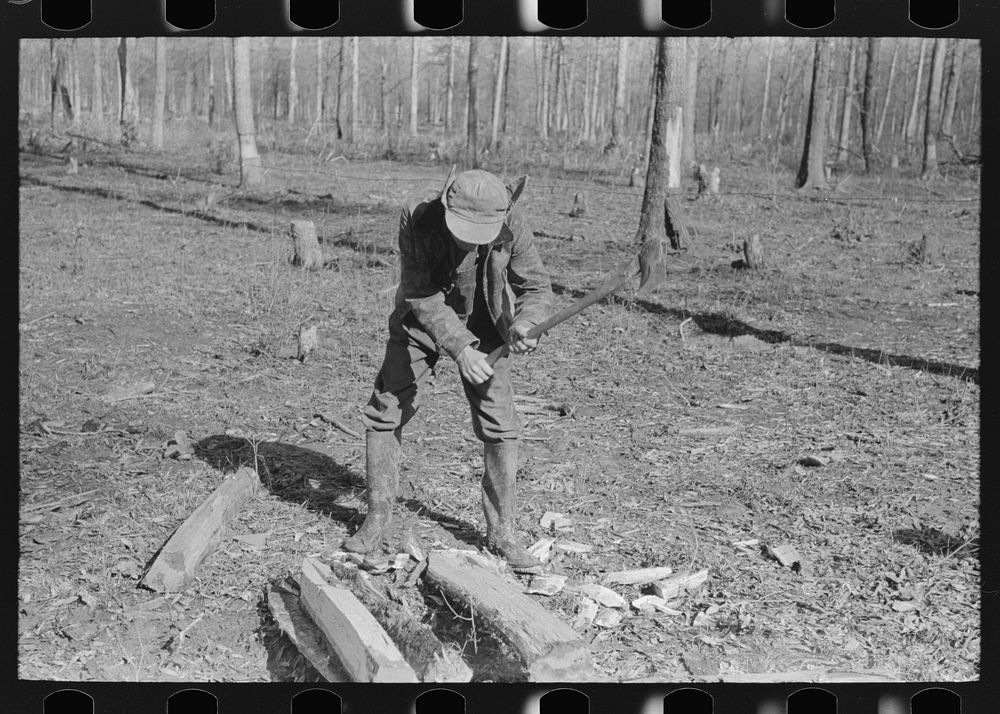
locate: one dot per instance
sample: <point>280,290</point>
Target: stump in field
<point>635,179</point>
<point>753,253</point>
<point>307,253</point>
<point>927,251</point>
<point>579,206</point>
<point>675,222</point>
<point>72,166</point>
<point>708,181</point>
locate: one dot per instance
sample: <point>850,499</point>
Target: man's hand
<point>472,365</point>
<point>518,341</point>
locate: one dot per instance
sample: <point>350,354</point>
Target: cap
<point>476,205</point>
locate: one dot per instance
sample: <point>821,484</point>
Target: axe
<point>646,266</point>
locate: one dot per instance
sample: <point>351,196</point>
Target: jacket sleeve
<point>421,296</point>
<point>527,276</point>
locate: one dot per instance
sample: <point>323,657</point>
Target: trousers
<point>410,357</point>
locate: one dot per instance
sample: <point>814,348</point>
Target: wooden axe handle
<point>616,282</point>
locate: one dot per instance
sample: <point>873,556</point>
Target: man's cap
<point>476,204</point>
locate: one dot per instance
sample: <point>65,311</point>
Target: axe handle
<point>616,282</point>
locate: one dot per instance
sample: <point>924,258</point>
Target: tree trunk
<point>888,92</point>
<point>498,94</point>
<point>618,112</point>
<point>227,71</point>
<point>812,169</point>
<point>506,93</point>
<point>595,97</point>
<point>845,116</point>
<point>715,112</point>
<point>765,100</point>
<point>543,106</point>
<point>355,88</point>
<point>414,85</point>
<point>320,84</point>
<point>932,117</point>
<point>951,99</point>
<point>663,170</point>
<point>293,84</point>
<point>74,83</point>
<point>740,89</point>
<point>159,95</point>
<point>340,80</point>
<point>97,103</point>
<point>868,102</point>
<point>251,171</point>
<point>560,81</point>
<point>128,113</point>
<point>910,135</point>
<point>471,147</point>
<point>688,149</point>
<point>383,104</point>
<point>210,84</point>
<point>786,85</point>
<point>449,99</point>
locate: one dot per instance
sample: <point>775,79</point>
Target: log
<point>429,657</point>
<point>681,582</point>
<point>305,246</point>
<point>753,253</point>
<point>295,623</point>
<point>365,650</point>
<point>549,650</point>
<point>640,576</point>
<point>177,563</point>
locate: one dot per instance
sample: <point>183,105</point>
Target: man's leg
<point>497,425</point>
<point>409,357</point>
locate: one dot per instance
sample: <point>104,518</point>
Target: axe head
<point>514,189</point>
<point>652,265</point>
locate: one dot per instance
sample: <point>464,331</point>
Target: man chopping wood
<point>471,282</point>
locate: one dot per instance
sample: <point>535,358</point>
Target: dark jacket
<point>516,284</point>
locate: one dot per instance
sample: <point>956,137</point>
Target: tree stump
<point>753,252</point>
<point>72,166</point>
<point>713,181</point>
<point>635,179</point>
<point>701,175</point>
<point>307,253</point>
<point>675,222</point>
<point>927,251</point>
<point>579,206</point>
<point>307,342</point>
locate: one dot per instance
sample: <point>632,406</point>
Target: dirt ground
<point>829,402</point>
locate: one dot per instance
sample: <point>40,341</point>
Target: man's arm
<point>423,297</point>
<point>527,276</point>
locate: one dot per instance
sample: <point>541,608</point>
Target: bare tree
<point>765,100</point>
<point>910,135</point>
<point>414,85</point>
<point>227,71</point>
<point>618,113</point>
<point>471,148</point>
<point>812,169</point>
<point>60,93</point>
<point>320,84</point>
<point>128,112</point>
<point>449,101</point>
<point>888,92</point>
<point>846,113</point>
<point>251,171</point>
<point>159,96</point>
<point>656,221</point>
<point>954,81</point>
<point>210,84</point>
<point>97,101</point>
<point>688,149</point>
<point>932,117</point>
<point>868,102</point>
<point>293,84</point>
<point>355,88</point>
<point>498,94</point>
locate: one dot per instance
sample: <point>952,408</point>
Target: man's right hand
<point>472,365</point>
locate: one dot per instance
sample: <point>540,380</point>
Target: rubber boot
<point>499,505</point>
<point>382,476</point>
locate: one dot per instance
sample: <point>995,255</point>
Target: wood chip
<point>608,618</point>
<point>604,596</point>
<point>680,582</point>
<point>568,546</point>
<point>558,521</point>
<point>542,549</point>
<point>546,584</point>
<point>586,611</point>
<point>785,554</point>
<point>640,576</point>
<point>654,603</point>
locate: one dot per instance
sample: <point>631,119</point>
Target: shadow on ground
<point>718,324</point>
<point>933,541</point>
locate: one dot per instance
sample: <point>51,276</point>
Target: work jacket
<point>514,282</point>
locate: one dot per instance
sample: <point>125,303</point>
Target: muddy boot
<point>499,504</point>
<point>382,480</point>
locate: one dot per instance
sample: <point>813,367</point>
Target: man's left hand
<point>518,341</point>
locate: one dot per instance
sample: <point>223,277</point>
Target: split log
<point>753,252</point>
<point>295,623</point>
<point>429,657</point>
<point>549,650</point>
<point>307,253</point>
<point>579,206</point>
<point>640,576</point>
<point>185,550</point>
<point>365,650</point>
<point>681,582</point>
<point>675,222</point>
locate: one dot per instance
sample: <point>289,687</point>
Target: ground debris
<point>680,582</point>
